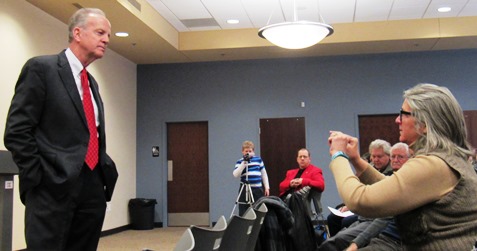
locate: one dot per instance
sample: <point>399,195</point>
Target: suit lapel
<point>97,97</point>
<point>68,80</point>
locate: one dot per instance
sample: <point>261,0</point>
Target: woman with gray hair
<point>433,194</point>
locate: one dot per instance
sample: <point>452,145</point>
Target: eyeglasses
<point>401,112</point>
<point>399,157</point>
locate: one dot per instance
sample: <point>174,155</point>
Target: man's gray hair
<point>379,143</point>
<point>401,145</point>
<point>79,19</point>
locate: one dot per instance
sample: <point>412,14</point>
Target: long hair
<point>79,19</point>
<point>435,108</point>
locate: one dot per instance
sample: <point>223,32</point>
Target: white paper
<point>339,213</point>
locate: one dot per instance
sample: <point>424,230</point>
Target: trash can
<point>141,212</point>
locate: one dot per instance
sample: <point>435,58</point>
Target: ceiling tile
<point>232,10</point>
<point>408,9</point>
<point>187,9</point>
<point>372,10</point>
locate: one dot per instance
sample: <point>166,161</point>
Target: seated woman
<point>430,195</point>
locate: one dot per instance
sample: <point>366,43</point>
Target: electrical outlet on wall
<point>108,206</point>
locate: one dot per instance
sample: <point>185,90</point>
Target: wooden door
<point>373,127</point>
<point>280,140</point>
<point>471,124</point>
<point>188,174</point>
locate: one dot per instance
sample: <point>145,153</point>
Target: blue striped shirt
<point>254,171</point>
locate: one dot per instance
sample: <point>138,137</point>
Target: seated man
<point>379,151</point>
<point>382,233</point>
<point>305,175</point>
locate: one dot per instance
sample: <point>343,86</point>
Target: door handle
<point>169,170</point>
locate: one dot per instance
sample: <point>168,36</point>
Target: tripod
<point>249,200</point>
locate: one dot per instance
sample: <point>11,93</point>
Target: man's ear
<point>76,33</point>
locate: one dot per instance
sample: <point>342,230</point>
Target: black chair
<point>261,211</point>
<point>314,207</point>
<point>238,232</point>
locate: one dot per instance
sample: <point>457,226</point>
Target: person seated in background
<point>432,195</point>
<point>305,175</point>
<point>297,184</point>
<point>378,155</point>
<point>379,151</point>
<point>360,232</point>
<point>382,233</point>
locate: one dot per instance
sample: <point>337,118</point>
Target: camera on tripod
<point>247,157</point>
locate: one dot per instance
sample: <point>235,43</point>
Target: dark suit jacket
<point>46,128</point>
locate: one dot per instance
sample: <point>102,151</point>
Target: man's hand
<point>296,182</point>
<point>352,247</point>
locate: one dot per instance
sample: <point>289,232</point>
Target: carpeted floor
<point>157,239</point>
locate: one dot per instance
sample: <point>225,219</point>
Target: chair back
<point>203,238</point>
<point>209,238</point>
<point>257,225</point>
<point>315,210</point>
<point>186,242</point>
<point>238,232</point>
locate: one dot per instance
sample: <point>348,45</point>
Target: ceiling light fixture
<point>296,34</point>
<point>233,21</point>
<point>122,34</point>
<point>444,9</point>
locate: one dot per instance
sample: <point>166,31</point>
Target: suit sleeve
<point>285,184</point>
<point>23,117</point>
<point>315,180</point>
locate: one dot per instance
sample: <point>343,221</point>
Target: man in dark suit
<point>48,133</point>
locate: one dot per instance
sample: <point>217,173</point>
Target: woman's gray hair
<point>379,143</point>
<point>436,109</point>
<point>79,19</point>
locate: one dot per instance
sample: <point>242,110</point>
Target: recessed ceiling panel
<point>167,14</point>
<point>222,12</point>
<point>187,9</point>
<point>456,5</point>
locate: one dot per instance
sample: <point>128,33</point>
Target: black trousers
<point>71,223</point>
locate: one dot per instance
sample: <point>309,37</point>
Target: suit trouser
<point>70,223</point>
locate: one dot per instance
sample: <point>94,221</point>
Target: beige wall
<point>26,32</point>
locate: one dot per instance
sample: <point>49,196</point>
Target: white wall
<point>27,31</point>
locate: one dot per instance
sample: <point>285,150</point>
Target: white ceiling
<point>193,15</point>
<point>175,31</point>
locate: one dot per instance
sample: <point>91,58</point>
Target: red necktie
<point>92,154</point>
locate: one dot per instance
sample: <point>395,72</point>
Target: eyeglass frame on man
<point>399,157</point>
<point>401,112</point>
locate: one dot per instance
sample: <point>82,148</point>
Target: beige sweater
<point>422,194</point>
